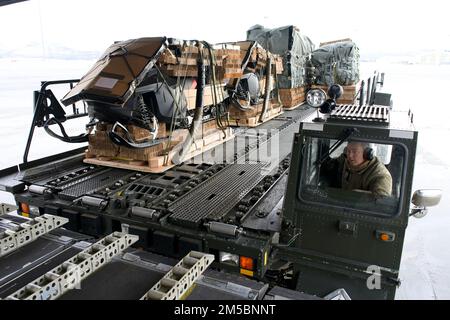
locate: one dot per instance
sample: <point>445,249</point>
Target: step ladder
<point>69,274</point>
<point>178,280</point>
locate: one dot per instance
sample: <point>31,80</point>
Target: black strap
<point>128,141</point>
<point>65,137</point>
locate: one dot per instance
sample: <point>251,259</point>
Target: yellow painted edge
<point>247,272</point>
<point>188,292</point>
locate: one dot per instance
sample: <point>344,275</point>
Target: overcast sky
<point>377,26</point>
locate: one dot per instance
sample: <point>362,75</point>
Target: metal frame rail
<point>18,235</point>
<point>7,208</point>
<point>45,105</point>
<point>180,278</point>
<point>70,273</point>
<point>372,113</point>
<point>367,96</point>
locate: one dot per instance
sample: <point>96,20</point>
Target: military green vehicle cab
<point>344,222</point>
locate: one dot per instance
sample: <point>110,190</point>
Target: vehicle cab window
<point>361,175</point>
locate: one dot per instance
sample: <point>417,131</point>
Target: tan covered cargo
<point>118,72</point>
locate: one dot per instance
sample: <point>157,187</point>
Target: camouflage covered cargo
<point>291,45</point>
<point>336,63</point>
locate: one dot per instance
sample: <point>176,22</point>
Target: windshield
<point>360,175</point>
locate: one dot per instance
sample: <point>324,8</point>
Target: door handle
<point>348,228</point>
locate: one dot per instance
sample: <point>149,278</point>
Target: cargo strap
<point>69,274</point>
<point>178,281</point>
<point>128,141</point>
<point>17,235</point>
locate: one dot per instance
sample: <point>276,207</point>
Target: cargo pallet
<point>251,118</point>
<point>158,158</point>
<point>292,98</point>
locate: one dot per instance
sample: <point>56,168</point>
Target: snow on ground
<point>18,80</point>
<point>426,257</point>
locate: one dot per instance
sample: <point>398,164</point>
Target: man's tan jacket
<point>371,176</point>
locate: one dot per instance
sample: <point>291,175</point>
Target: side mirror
<point>426,198</point>
<point>423,199</point>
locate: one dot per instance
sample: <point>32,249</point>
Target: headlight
<point>335,91</point>
<point>316,97</point>
<point>229,258</point>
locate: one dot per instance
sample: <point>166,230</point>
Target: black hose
<point>84,137</point>
<point>198,112</point>
<point>246,60</point>
<point>267,89</point>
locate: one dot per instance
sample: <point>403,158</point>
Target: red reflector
<point>246,263</point>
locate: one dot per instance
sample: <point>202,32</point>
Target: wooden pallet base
<point>292,98</point>
<point>349,95</point>
<point>156,164</point>
<point>294,107</point>
<point>254,121</point>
